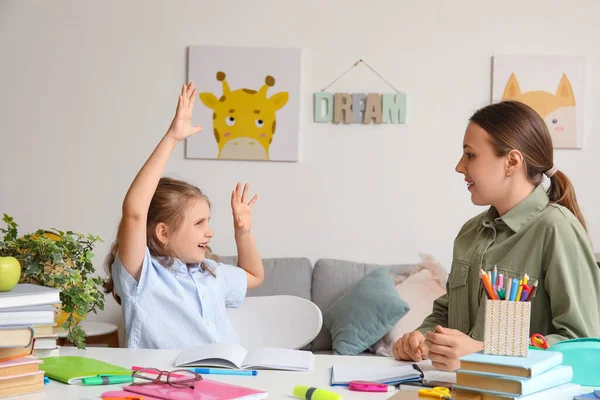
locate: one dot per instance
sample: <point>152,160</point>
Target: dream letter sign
<point>360,108</point>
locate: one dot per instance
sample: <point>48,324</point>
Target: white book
<point>34,315</point>
<point>234,356</point>
<point>26,294</point>
<point>45,342</point>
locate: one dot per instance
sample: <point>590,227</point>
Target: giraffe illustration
<point>244,120</point>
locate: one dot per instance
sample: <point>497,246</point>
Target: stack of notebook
<point>540,375</point>
<point>34,306</point>
<point>22,308</point>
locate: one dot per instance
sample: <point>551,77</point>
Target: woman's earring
<point>508,174</point>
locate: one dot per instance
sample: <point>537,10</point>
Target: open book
<point>234,356</point>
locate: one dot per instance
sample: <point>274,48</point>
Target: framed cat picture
<point>553,86</point>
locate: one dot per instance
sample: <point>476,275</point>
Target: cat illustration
<point>557,110</point>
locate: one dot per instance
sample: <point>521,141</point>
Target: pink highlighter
<point>364,386</point>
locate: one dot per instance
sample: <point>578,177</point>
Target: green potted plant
<point>61,260</point>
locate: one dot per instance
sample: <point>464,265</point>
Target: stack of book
<point>35,306</point>
<point>22,308</point>
<point>19,370</point>
<point>539,375</point>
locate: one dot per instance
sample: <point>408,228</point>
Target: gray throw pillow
<point>365,314</point>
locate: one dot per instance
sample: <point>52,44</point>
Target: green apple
<point>10,273</point>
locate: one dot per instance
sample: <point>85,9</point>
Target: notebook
<point>26,294</point>
<point>71,369</point>
<point>234,356</point>
<point>203,390</point>
<point>122,394</point>
<point>342,375</point>
<point>568,391</point>
<point>514,386</point>
<point>19,366</point>
<point>30,382</point>
<point>536,363</point>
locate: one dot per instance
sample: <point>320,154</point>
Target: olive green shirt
<point>544,240</point>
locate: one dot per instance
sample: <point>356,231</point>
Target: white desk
<point>279,384</point>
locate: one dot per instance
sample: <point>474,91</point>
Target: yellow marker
<point>519,291</point>
<point>525,279</point>
<point>311,393</point>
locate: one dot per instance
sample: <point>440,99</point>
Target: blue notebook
<point>536,363</point>
<point>568,391</point>
<point>505,385</point>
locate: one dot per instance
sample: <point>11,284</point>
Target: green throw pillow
<point>365,314</point>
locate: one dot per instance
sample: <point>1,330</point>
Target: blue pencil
<point>213,371</point>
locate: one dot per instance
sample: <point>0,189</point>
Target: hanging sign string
<point>368,66</point>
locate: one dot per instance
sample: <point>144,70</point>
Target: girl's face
<point>191,239</point>
<point>485,172</point>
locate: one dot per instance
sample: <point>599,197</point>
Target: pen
<point>524,295</point>
<point>106,379</point>
<point>500,281</point>
<point>501,294</point>
<point>495,276</point>
<point>212,371</point>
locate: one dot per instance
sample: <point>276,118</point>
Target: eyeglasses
<point>176,378</point>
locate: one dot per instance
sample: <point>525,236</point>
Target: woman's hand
<point>447,345</point>
<point>410,347</point>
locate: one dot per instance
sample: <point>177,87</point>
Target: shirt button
<point>203,295</point>
<point>207,323</point>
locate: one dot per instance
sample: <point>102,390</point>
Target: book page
<point>281,359</point>
<point>216,355</point>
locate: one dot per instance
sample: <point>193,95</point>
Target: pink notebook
<point>20,361</point>
<point>203,390</point>
<point>123,394</point>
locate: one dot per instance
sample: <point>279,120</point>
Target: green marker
<point>311,393</point>
<point>107,380</point>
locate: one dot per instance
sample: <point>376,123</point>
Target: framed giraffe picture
<point>248,103</point>
<point>552,85</point>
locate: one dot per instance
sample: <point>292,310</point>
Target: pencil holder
<point>506,331</point>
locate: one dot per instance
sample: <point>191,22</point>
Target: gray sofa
<point>323,284</point>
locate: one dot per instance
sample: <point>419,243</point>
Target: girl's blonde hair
<point>171,198</point>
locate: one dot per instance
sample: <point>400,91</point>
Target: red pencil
<point>533,290</point>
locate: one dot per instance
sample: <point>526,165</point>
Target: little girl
<point>173,296</point>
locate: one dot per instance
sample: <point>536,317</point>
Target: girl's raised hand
<point>181,127</point>
<point>242,209</point>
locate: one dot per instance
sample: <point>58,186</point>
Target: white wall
<point>88,88</point>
